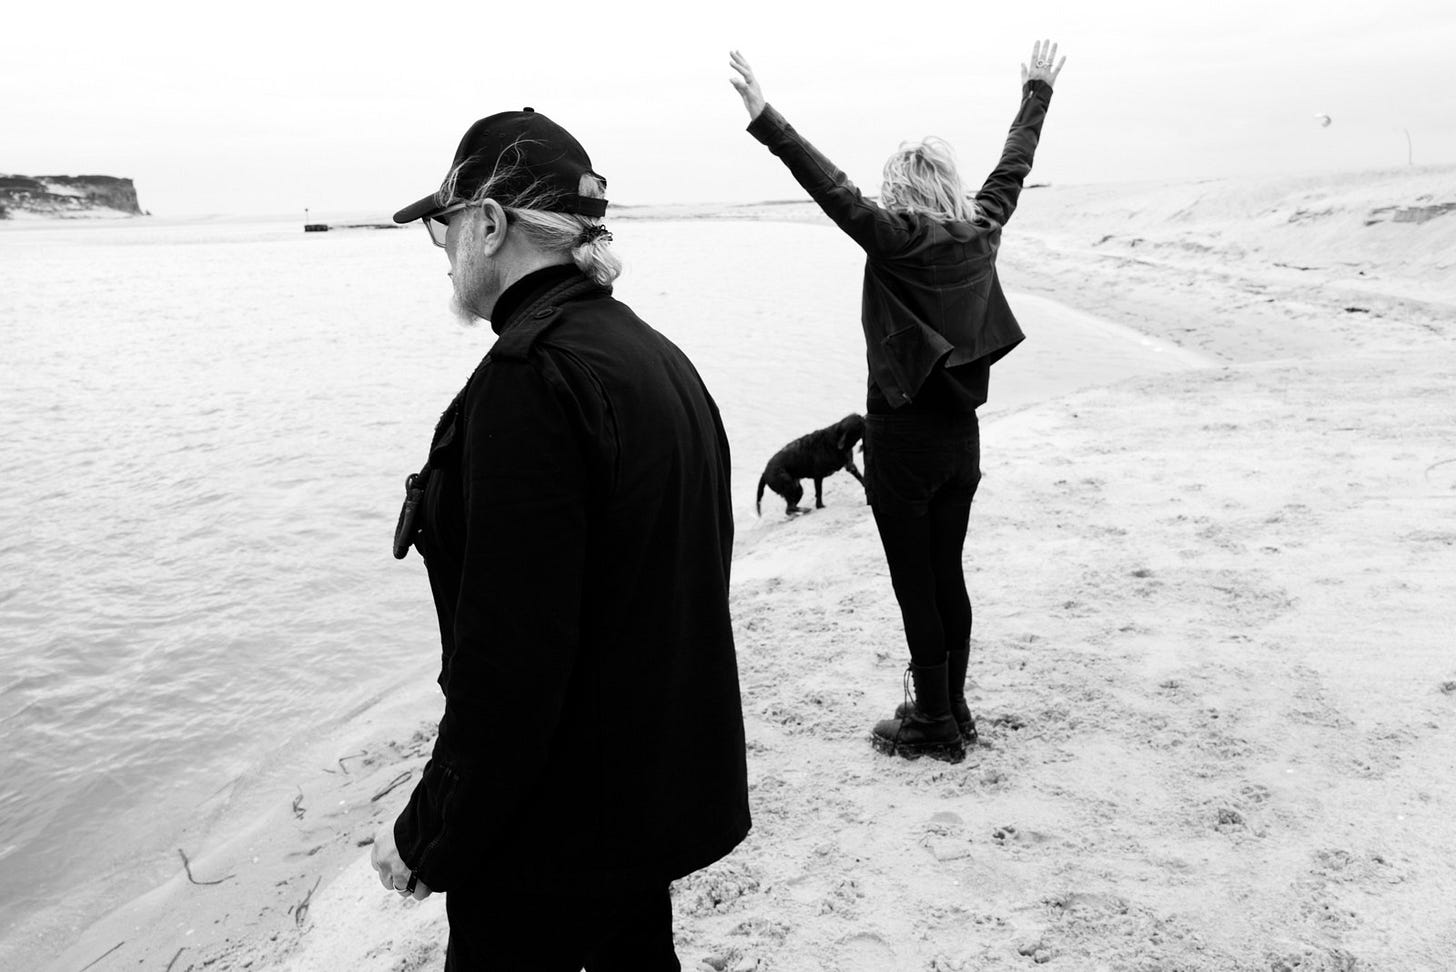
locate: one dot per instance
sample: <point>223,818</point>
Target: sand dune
<point>1212,664</point>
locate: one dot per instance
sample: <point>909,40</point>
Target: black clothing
<point>577,529</point>
<point>921,474</point>
<point>947,391</point>
<point>506,305</point>
<point>520,923</point>
<point>935,320</point>
<point>913,459</point>
<point>932,305</point>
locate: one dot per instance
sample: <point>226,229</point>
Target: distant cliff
<point>67,196</point>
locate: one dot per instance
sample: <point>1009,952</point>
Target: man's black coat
<point>577,530</point>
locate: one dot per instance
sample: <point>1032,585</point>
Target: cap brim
<point>418,210</point>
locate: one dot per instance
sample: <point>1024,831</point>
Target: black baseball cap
<point>548,156</point>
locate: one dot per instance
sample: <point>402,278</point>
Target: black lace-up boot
<point>956,663</point>
<point>926,728</point>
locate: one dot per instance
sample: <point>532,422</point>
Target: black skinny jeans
<point>921,473</point>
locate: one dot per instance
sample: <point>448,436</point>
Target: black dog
<point>813,456</point>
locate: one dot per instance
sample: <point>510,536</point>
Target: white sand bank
<point>1212,665</point>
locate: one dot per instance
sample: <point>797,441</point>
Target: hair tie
<point>592,234</point>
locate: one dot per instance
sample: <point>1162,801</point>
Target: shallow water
<point>207,426</point>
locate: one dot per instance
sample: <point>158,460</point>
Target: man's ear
<point>493,226</point>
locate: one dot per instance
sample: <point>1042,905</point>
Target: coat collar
<point>520,293</point>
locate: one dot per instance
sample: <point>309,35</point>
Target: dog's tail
<point>758,500</point>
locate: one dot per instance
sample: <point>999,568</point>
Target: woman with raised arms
<point>935,320</point>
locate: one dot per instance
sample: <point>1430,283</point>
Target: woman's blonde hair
<point>921,177</point>
<point>582,237</point>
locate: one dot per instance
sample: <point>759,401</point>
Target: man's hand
<point>394,874</point>
<point>747,86</point>
<point>1044,64</point>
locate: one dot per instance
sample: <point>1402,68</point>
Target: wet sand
<point>1212,663</point>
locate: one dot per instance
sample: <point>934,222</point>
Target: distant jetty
<point>67,197</point>
<point>325,227</point>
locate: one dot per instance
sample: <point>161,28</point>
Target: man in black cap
<point>575,522</point>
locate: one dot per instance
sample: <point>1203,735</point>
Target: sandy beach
<point>1212,665</point>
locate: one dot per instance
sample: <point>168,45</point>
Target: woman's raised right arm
<point>746,84</point>
<point>876,231</point>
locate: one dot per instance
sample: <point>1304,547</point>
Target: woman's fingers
<point>1044,63</point>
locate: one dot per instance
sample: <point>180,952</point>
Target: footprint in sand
<point>1008,720</point>
<point>1254,793</point>
<point>1090,901</point>
<point>1035,951</point>
<point>1313,959</point>
<point>944,837</point>
<point>1229,821</point>
<point>866,953</point>
<point>842,899</point>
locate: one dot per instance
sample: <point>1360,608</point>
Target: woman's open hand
<point>1044,64</point>
<point>746,85</point>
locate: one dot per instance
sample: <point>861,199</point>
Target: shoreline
<point>326,810</point>
<point>1165,722</point>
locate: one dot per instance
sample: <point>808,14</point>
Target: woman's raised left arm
<point>998,196</point>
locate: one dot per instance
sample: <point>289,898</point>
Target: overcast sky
<point>269,107</point>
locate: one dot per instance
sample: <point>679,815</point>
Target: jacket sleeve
<point>997,198</point>
<point>524,475</point>
<point>878,232</point>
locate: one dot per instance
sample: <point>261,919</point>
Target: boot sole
<point>947,752</point>
<point>969,736</point>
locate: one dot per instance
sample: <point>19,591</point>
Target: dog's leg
<point>849,467</point>
<point>786,486</point>
<point>818,493</point>
<point>793,495</point>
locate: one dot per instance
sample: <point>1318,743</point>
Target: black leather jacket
<point>931,295</point>
<point>577,528</point>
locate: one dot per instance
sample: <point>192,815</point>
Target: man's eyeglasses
<point>439,224</point>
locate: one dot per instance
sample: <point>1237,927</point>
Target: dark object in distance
<point>325,227</point>
<point>814,456</point>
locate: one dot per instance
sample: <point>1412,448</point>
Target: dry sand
<point>1213,661</point>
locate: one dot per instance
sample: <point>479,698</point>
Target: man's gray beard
<point>464,316</point>
<point>469,277</point>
